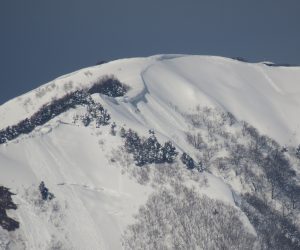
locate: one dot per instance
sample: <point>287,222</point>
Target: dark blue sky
<point>41,40</point>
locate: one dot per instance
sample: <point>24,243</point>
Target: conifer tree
<point>169,152</point>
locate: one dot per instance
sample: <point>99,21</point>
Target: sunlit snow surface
<point>74,161</point>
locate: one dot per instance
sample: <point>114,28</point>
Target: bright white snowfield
<point>93,179</point>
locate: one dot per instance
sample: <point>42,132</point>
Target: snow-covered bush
<point>44,191</point>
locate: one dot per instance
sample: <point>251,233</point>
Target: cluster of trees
<point>6,203</point>
<point>107,85</point>
<point>274,230</point>
<point>149,150</point>
<point>53,109</point>
<point>46,113</point>
<point>110,86</point>
<point>257,161</point>
<point>180,218</point>
<point>95,112</point>
<point>267,155</point>
<point>261,161</point>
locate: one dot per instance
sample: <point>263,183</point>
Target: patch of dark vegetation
<point>6,203</point>
<point>110,86</point>
<point>190,163</point>
<point>275,230</point>
<point>53,109</point>
<point>95,112</point>
<point>149,150</point>
<point>107,85</point>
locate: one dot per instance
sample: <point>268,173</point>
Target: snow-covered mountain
<point>221,152</point>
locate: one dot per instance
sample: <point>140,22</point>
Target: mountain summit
<point>163,152</point>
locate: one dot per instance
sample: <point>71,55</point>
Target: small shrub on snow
<point>45,194</point>
<point>113,129</point>
<point>122,132</point>
<point>187,160</point>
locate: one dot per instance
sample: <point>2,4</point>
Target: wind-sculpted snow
<point>266,97</point>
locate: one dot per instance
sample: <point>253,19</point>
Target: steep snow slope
<point>95,199</point>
